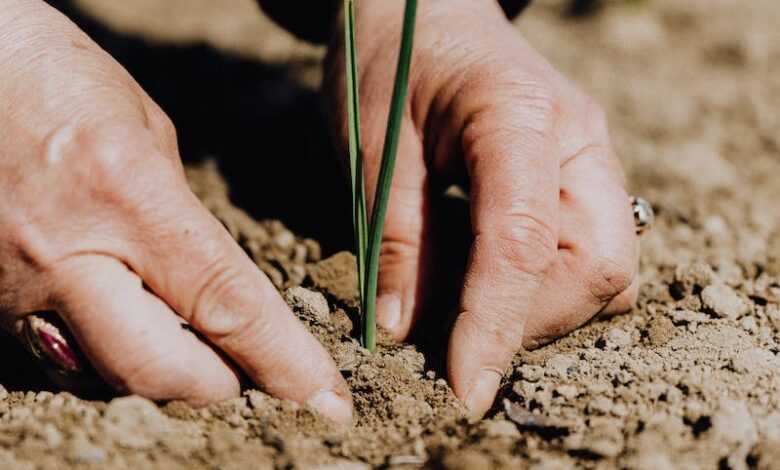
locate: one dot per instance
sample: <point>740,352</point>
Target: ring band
<point>644,215</point>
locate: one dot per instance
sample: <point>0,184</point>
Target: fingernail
<point>483,390</point>
<point>388,308</point>
<point>330,404</point>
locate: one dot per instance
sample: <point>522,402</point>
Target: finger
<point>133,339</point>
<point>513,169</point>
<point>405,248</point>
<point>195,266</point>
<point>598,248</point>
<point>623,303</point>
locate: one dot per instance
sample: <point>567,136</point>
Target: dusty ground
<point>690,380</point>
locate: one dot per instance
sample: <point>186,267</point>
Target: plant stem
<point>359,219</point>
<point>389,153</point>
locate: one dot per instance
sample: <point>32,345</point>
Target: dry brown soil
<point>691,379</point>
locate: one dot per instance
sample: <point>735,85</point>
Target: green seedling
<point>368,235</point>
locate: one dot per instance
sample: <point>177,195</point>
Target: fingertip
<point>333,404</point>
<point>477,358</point>
<point>481,392</point>
<point>215,391</point>
<point>388,308</point>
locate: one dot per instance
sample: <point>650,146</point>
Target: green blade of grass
<point>389,153</point>
<point>359,219</point>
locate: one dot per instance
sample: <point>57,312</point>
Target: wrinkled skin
<point>97,222</point>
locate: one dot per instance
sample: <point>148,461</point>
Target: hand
<point>554,241</point>
<point>98,224</point>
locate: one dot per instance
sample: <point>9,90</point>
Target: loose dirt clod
<point>722,301</point>
<point>308,303</point>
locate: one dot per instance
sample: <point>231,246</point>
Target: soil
<point>690,379</point>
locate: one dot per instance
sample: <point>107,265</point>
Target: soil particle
<point>722,301</point>
<point>568,392</point>
<point>468,460</point>
<point>82,451</point>
<point>134,422</point>
<point>618,338</point>
<point>334,277</point>
<point>734,429</point>
<point>755,360</point>
<point>308,303</point>
<point>693,277</point>
<point>561,366</point>
<point>531,373</point>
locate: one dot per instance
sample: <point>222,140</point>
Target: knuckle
<point>607,278</point>
<point>397,251</point>
<point>24,244</point>
<point>160,121</point>
<point>528,244</point>
<point>499,115</point>
<point>120,164</point>
<point>217,310</point>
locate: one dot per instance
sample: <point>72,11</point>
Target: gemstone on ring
<point>47,343</point>
<point>644,215</point>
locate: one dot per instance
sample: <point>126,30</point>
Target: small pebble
<point>749,324</point>
<point>276,227</point>
<point>81,450</point>
<point>134,422</point>
<point>313,250</point>
<point>285,241</point>
<point>733,426</point>
<point>721,300</point>
<point>684,317</point>
<point>51,435</point>
<point>753,360</point>
<point>3,393</point>
<point>600,405</point>
<point>257,399</point>
<point>561,366</point>
<point>618,338</point>
<point>531,373</point>
<point>299,254</point>
<point>695,274</point>
<point>500,429</point>
<point>569,392</point>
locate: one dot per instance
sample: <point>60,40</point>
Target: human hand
<point>554,240</point>
<point>97,223</point>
